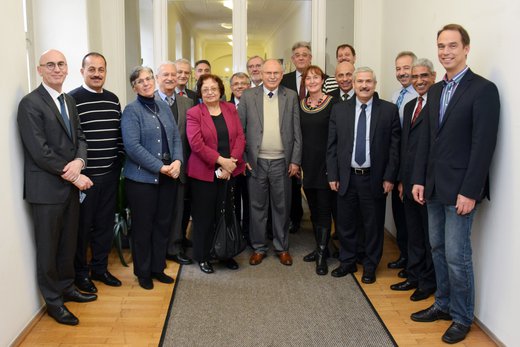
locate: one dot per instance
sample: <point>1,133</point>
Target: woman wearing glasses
<point>153,159</point>
<point>217,143</point>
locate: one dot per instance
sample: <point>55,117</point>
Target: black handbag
<point>229,240</point>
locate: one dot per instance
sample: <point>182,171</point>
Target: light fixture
<point>230,37</point>
<point>228,4</point>
<point>230,43</point>
<point>228,26</point>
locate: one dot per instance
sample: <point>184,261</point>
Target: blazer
<point>289,81</point>
<point>202,136</point>
<point>47,146</point>
<point>251,111</point>
<point>454,157</point>
<point>410,137</point>
<point>182,104</point>
<point>142,139</point>
<point>385,133</point>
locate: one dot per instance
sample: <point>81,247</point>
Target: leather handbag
<point>229,240</point>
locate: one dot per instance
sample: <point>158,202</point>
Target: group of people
<point>184,151</point>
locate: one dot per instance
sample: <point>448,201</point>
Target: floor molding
<point>30,325</point>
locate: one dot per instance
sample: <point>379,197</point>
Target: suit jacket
<point>191,95</point>
<point>385,132</point>
<point>289,81</point>
<point>454,157</point>
<point>47,146</point>
<point>410,137</point>
<point>251,111</point>
<point>202,136</point>
<point>182,104</point>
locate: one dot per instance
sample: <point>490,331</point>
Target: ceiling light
<point>230,37</point>
<point>228,26</point>
<point>228,4</point>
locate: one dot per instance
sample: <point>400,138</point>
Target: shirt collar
<point>457,77</point>
<point>53,92</point>
<point>267,91</point>
<point>163,96</point>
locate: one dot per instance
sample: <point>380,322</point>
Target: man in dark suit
<point>451,176</point>
<point>183,67</point>
<point>362,165</point>
<point>55,152</point>
<point>271,119</point>
<point>344,72</point>
<point>421,274</point>
<point>301,58</point>
<point>166,77</point>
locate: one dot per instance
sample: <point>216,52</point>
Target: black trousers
<point>151,206</point>
<point>56,234</point>
<point>321,202</point>
<point>242,203</point>
<point>96,224</point>
<point>296,201</point>
<point>400,222</point>
<point>359,197</point>
<point>420,264</point>
<point>206,201</point>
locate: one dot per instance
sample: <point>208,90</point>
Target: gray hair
<point>364,69</point>
<point>168,62</point>
<point>183,61</point>
<point>254,57</point>
<point>239,75</point>
<point>300,44</point>
<point>136,71</point>
<point>407,54</point>
<point>425,63</point>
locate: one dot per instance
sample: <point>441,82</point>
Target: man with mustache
<point>99,113</point>
<point>254,67</point>
<point>344,53</point>
<point>183,77</point>
<point>403,73</point>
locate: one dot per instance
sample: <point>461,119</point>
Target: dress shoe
<point>398,264</point>
<point>402,274</point>
<point>206,267</point>
<point>431,314</point>
<point>162,277</point>
<point>369,276</point>
<point>256,258</point>
<point>230,264</point>
<point>62,315</point>
<point>343,270</point>
<point>456,333</point>
<point>293,228</point>
<point>107,278</point>
<point>285,258</point>
<point>180,258</point>
<point>311,257</point>
<point>405,285</point>
<point>78,296</point>
<point>420,294</point>
<point>85,285</point>
<point>145,282</point>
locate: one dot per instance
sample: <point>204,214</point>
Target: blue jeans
<point>450,239</point>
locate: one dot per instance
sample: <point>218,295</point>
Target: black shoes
<point>145,282</point>
<point>85,285</point>
<point>398,264</point>
<point>62,315</point>
<point>78,296</point>
<point>107,278</point>
<point>431,314</point>
<point>369,276</point>
<point>180,258</point>
<point>311,257</point>
<point>206,267</point>
<point>343,270</point>
<point>402,274</point>
<point>420,294</point>
<point>456,333</point>
<point>162,277</point>
<point>406,285</point>
<point>230,264</point>
<point>293,227</point>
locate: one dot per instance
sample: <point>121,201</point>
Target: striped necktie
<point>400,98</point>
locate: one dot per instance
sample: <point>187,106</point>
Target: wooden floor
<point>132,316</point>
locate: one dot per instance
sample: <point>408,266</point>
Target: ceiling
<point>264,17</point>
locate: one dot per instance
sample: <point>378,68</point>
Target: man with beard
<point>254,67</point>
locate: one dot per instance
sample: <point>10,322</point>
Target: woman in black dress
<point>314,117</point>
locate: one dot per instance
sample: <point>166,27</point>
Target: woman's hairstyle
<point>136,71</point>
<point>215,78</point>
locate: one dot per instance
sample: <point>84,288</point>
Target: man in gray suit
<point>55,152</point>
<point>167,80</point>
<point>271,119</point>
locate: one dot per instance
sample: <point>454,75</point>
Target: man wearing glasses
<point>254,68</point>
<point>55,153</point>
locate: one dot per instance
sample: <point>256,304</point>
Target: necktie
<point>400,98</point>
<point>63,112</point>
<point>170,100</point>
<point>270,95</point>
<point>344,97</point>
<point>301,93</point>
<point>417,109</point>
<point>361,137</point>
<point>181,93</point>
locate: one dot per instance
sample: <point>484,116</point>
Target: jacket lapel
<point>259,103</point>
<point>374,118</point>
<point>282,99</point>
<point>50,102</point>
<point>461,89</point>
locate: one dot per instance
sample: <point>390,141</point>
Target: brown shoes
<point>256,258</point>
<point>285,258</point>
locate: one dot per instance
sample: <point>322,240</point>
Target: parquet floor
<point>132,316</point>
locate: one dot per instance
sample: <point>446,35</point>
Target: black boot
<point>311,257</point>
<point>322,235</point>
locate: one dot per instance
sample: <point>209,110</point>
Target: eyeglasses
<point>302,55</point>
<point>52,65</point>
<point>240,84</point>
<point>141,81</point>
<point>271,73</point>
<point>209,90</point>
<point>257,66</point>
<point>422,76</point>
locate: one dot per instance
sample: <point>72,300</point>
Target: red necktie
<point>181,93</point>
<point>417,109</point>
<point>302,93</point>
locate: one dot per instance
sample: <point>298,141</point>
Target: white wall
<point>340,30</point>
<point>385,28</point>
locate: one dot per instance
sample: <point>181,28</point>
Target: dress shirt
<point>298,81</point>
<point>410,94</point>
<point>54,95</point>
<point>267,91</point>
<point>368,112</point>
<point>163,96</point>
<point>424,98</point>
<point>349,94</point>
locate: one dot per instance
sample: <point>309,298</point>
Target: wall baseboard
<point>30,325</point>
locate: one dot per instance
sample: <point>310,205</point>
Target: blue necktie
<point>361,137</point>
<point>63,112</point>
<point>270,95</point>
<point>400,98</point>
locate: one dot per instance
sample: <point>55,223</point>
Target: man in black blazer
<point>362,165</point>
<point>421,274</point>
<point>344,72</point>
<point>55,152</point>
<point>451,176</point>
<point>183,76</point>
